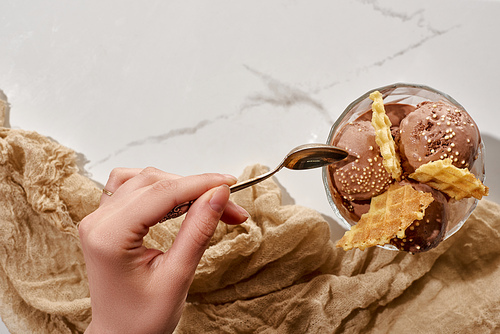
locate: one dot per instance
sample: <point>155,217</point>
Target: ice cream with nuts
<point>418,136</point>
<point>425,233</point>
<point>363,176</point>
<point>437,130</point>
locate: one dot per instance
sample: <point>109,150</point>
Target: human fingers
<point>147,177</point>
<point>129,179</point>
<point>143,208</point>
<point>234,214</point>
<point>116,179</point>
<point>195,233</point>
<point>124,181</point>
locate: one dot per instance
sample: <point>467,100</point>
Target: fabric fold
<point>43,272</point>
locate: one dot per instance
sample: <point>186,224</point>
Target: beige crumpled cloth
<point>276,273</point>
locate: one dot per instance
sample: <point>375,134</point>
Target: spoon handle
<point>181,209</point>
<point>302,157</point>
<point>250,182</point>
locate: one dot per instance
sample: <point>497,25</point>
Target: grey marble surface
<point>193,87</point>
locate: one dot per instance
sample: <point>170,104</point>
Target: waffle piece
<point>383,136</point>
<point>456,182</point>
<point>390,214</point>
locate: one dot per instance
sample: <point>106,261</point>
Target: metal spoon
<point>302,157</point>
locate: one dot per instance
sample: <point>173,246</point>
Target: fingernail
<point>231,178</point>
<point>242,211</point>
<point>219,198</point>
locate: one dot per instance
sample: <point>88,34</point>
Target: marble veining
<point>156,139</point>
<point>281,94</point>
<point>277,94</point>
<point>391,13</point>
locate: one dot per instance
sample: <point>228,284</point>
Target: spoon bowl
<point>306,156</point>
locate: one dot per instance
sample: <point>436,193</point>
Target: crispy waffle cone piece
<point>390,214</point>
<point>456,182</point>
<point>383,136</point>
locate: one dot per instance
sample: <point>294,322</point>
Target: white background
<point>214,86</point>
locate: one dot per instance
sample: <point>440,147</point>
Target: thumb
<point>198,228</point>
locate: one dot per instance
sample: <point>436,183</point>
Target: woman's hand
<point>138,290</point>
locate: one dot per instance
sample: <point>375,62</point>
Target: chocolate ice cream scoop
<point>428,232</point>
<point>365,176</point>
<point>437,130</point>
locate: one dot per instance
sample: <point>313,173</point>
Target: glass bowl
<point>411,94</point>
